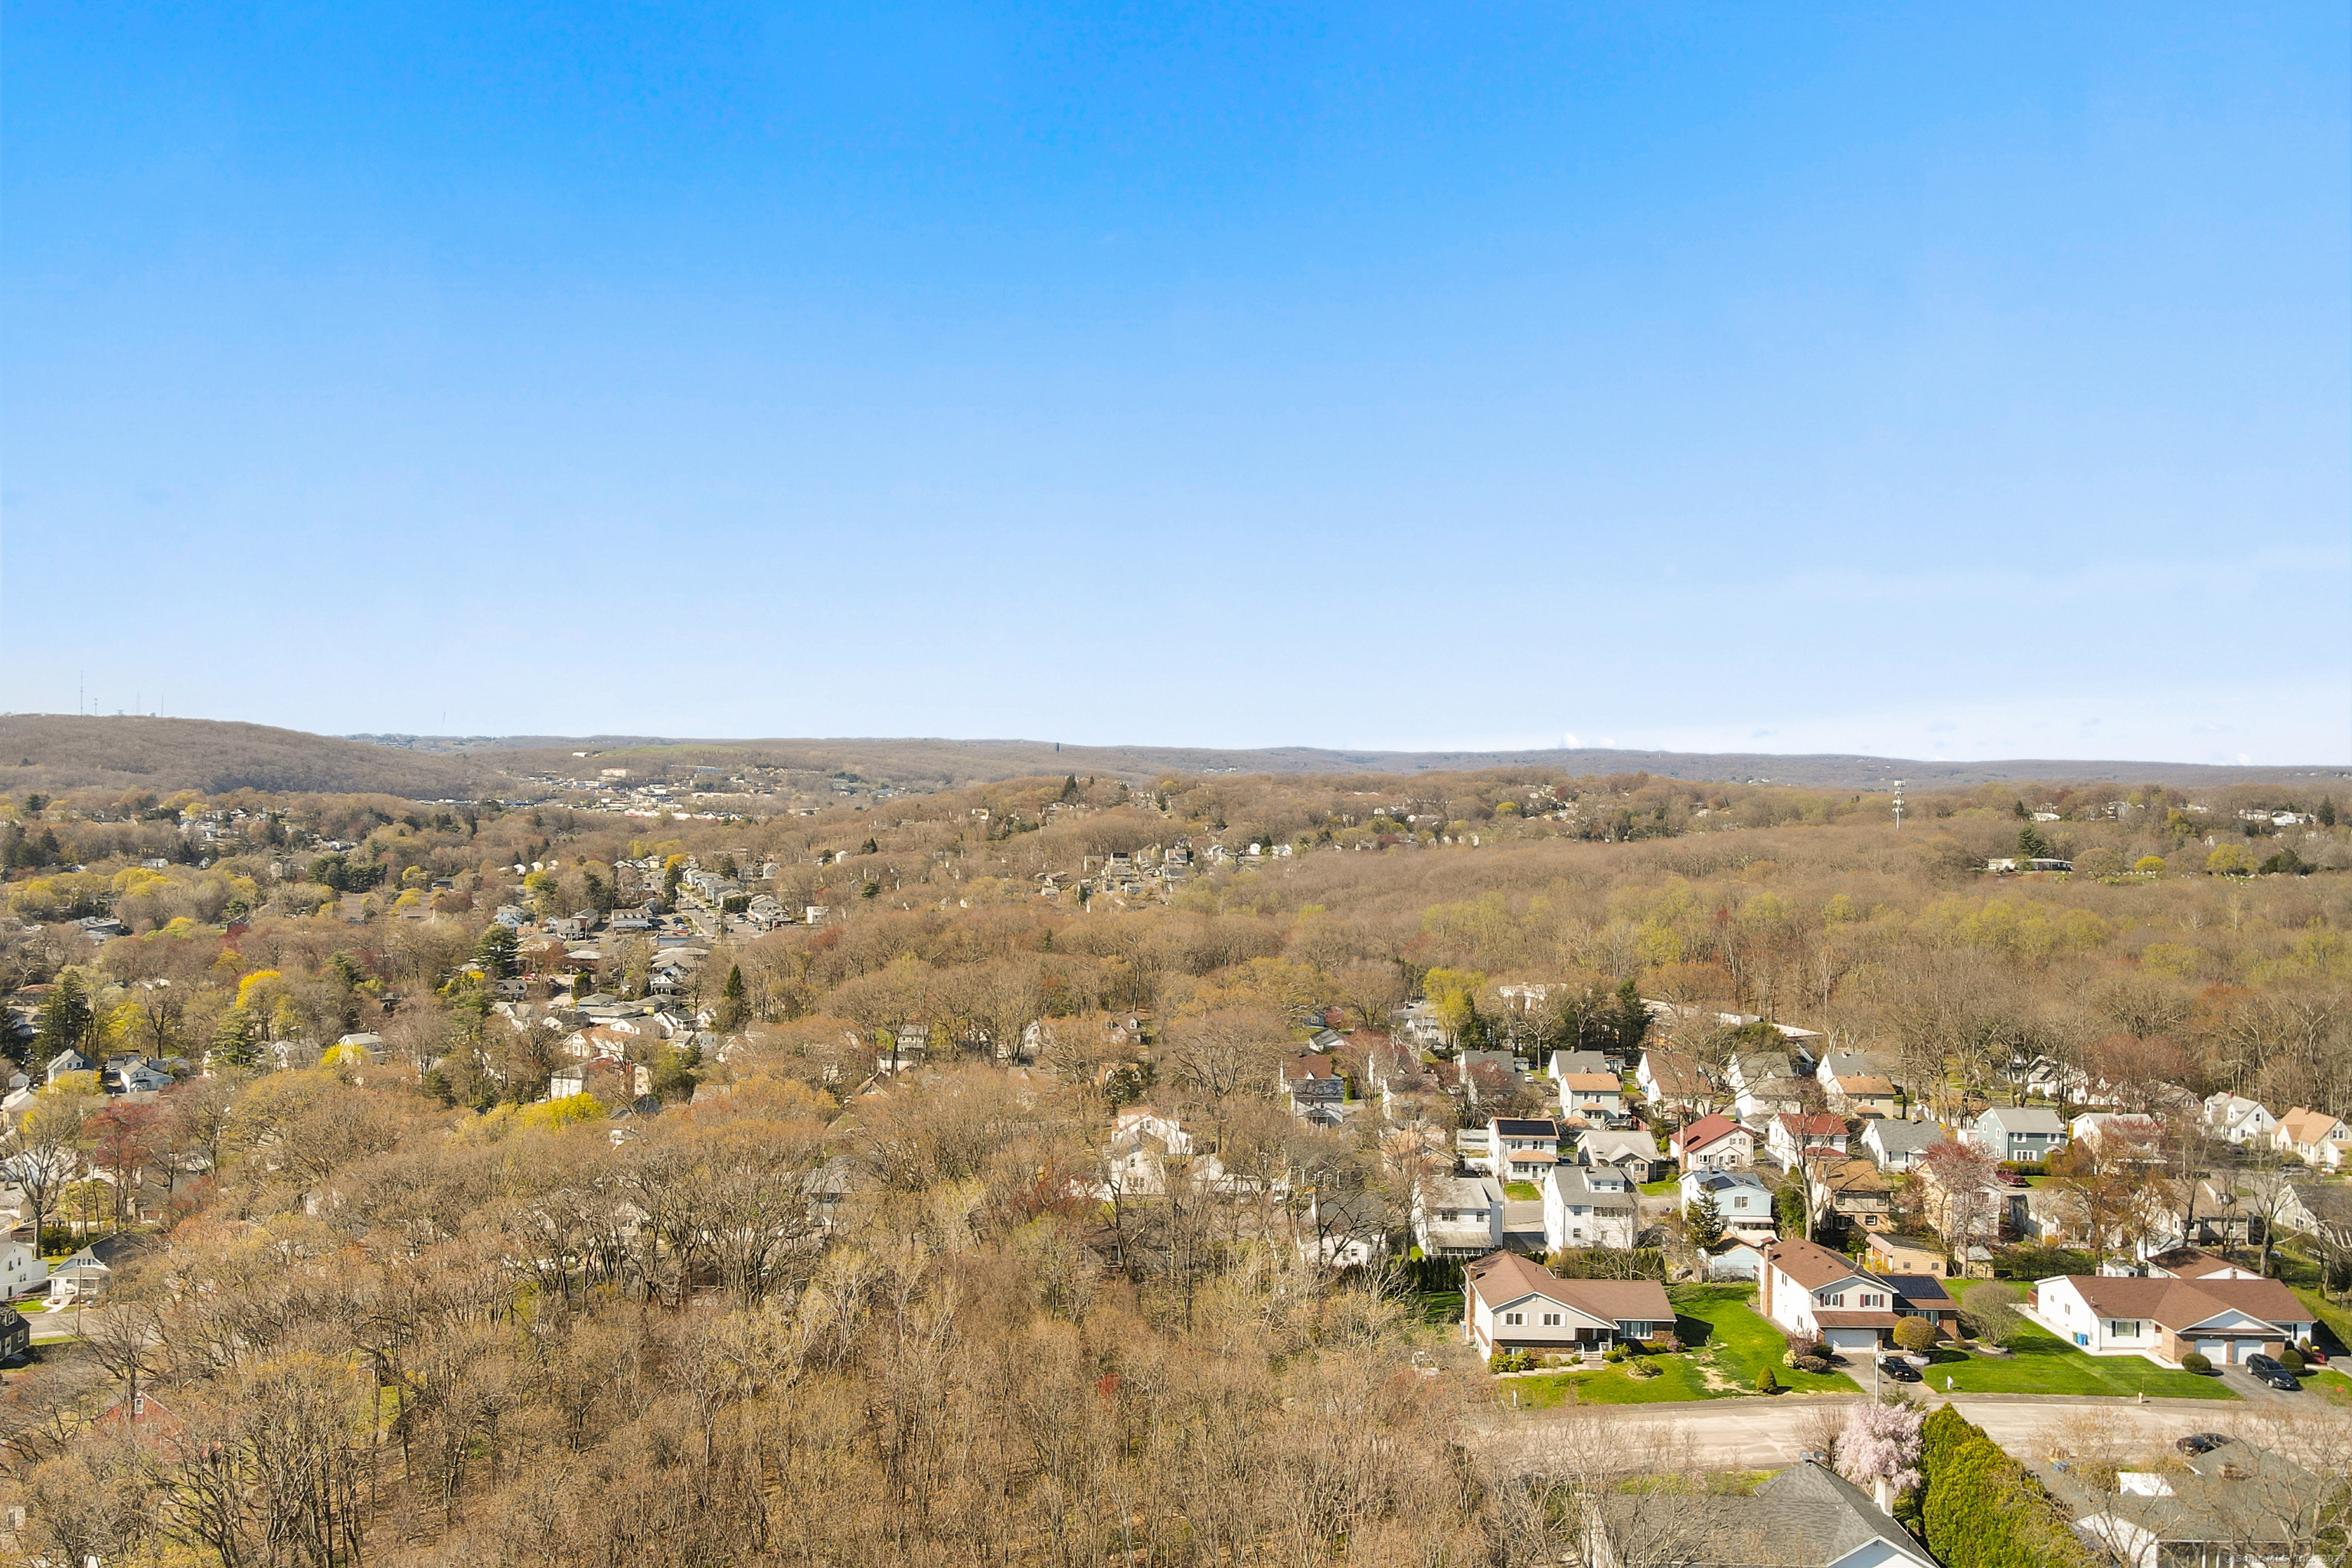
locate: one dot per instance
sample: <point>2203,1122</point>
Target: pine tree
<point>66,1016</point>
<point>1706,1221</point>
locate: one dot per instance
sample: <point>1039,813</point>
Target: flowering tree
<point>1881,1442</point>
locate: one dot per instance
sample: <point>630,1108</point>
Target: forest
<point>390,1303</point>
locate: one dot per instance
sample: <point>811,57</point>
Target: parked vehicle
<point>2200,1442</point>
<point>2266,1369</point>
<point>1900,1371</point>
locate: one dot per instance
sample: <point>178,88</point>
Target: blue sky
<point>1966,383</point>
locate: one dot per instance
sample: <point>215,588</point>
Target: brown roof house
<point>2224,1320</point>
<point>1512,1303</point>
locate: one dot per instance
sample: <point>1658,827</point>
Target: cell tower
<point>1899,805</point>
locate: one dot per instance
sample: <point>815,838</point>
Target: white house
<point>2239,1119</point>
<point>1856,1084</point>
<point>2225,1320</point>
<point>1896,1144</point>
<point>1512,1303</point>
<point>1809,1289</point>
<point>1563,1063</point>
<point>2093,1127</point>
<point>1458,1216</point>
<point>1591,1096</point>
<point>1675,1083</point>
<point>1744,1202</point>
<point>1713,1143</point>
<point>1631,1149</point>
<point>1521,1149</point>
<point>2319,1140</point>
<point>22,1269</point>
<point>2024,1134</point>
<point>1793,1140</point>
<point>1592,1205</point>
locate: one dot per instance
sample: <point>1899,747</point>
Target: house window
<point>1551,1320</point>
<point>1513,1318</point>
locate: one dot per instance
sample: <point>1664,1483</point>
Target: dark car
<point>2258,1363</point>
<point>1900,1371</point>
<point>2200,1442</point>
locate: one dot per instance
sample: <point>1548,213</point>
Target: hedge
<point>1978,1508</point>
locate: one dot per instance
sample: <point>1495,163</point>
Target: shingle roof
<point>1806,1517</point>
<point>2180,1304</point>
<point>1810,1263</point>
<point>1706,1130</point>
<point>1506,1277</point>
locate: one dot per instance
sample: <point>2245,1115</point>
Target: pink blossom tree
<point>1880,1444</point>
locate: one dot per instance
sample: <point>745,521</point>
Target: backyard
<point>1729,1345</point>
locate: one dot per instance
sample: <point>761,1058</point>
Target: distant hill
<point>934,762</point>
<point>53,753</point>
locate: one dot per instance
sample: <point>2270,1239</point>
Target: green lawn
<point>1522,1192</point>
<point>1725,1337</point>
<point>1442,1306</point>
<point>2045,1363</point>
<point>2337,1320</point>
<point>1663,1187</point>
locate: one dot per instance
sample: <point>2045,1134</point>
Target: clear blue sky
<point>1972,382</point>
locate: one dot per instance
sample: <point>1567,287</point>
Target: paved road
<point>1761,1434</point>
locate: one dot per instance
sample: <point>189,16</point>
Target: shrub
<point>1915,1334</point>
<point>1980,1509</point>
<point>2192,1361</point>
<point>1615,1352</point>
<point>1767,1382</point>
<point>1812,1363</point>
<point>1671,1344</point>
<point>2292,1359</point>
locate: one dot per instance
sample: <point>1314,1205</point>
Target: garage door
<point>2215,1350</point>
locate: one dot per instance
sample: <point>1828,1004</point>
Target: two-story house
<point>1458,1216</point>
<point>1855,1191</point>
<point>1312,1078</point>
<point>2320,1141</point>
<point>1793,1140</point>
<point>1521,1149</point>
<point>2238,1119</point>
<point>1589,1205</point>
<point>1896,1144</point>
<point>1742,1202</point>
<point>1808,1289</point>
<point>1629,1149</point>
<point>1592,1097</point>
<point>1678,1085</point>
<point>1713,1143</point>
<point>2020,1134</point>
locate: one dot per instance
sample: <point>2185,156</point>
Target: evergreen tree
<point>1706,1221</point>
<point>237,1042</point>
<point>2031,844</point>
<point>495,951</point>
<point>66,1016</point>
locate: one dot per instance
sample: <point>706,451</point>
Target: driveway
<point>2249,1387</point>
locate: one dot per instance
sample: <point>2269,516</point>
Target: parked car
<point>2266,1369</point>
<point>1900,1371</point>
<point>2200,1442</point>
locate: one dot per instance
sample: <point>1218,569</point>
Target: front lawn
<point>1729,1345</point>
<point>2045,1363</point>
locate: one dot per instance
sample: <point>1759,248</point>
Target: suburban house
<point>2324,1210</point>
<point>1589,1205</point>
<point>2224,1320</point>
<point>1458,1216</point>
<point>1855,1191</point>
<point>2194,1263</point>
<point>23,1270</point>
<point>1630,1150</point>
<point>1896,1145</point>
<point>1512,1303</point>
<point>1713,1143</point>
<point>1886,1253</point>
<point>1808,1516</point>
<point>1858,1084</point>
<point>1736,1257</point>
<point>1521,1149</point>
<point>1495,1066</point>
<point>1564,1063</point>
<point>1808,1289</point>
<point>2239,1119</point>
<point>1743,1202</point>
<point>2020,1134</point>
<point>1310,1080</point>
<point>1345,1230</point>
<point>1764,1084</point>
<point>2320,1141</point>
<point>1793,1140</point>
<point>2239,1505</point>
<point>2093,1127</point>
<point>1591,1096</point>
<point>1675,1083</point>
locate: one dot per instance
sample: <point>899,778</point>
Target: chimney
<point>1882,1492</point>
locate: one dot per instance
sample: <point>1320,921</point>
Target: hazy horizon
<point>1963,385</point>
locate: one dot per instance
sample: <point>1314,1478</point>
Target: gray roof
<point>1576,1186</point>
<point>1899,1137</point>
<point>1461,1193</point>
<point>2024,1118</point>
<point>1805,1516</point>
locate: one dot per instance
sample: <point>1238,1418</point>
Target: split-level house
<point>1589,1205</point>
<point>2224,1320</point>
<point>1713,1143</point>
<point>2320,1141</point>
<point>1808,1289</point>
<point>1522,1149</point>
<point>1794,1139</point>
<point>2021,1134</point>
<point>1510,1303</point>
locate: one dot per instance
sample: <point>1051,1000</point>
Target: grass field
<point>1522,1192</point>
<point>2335,1319</point>
<point>2045,1363</point>
<point>1725,1338</point>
